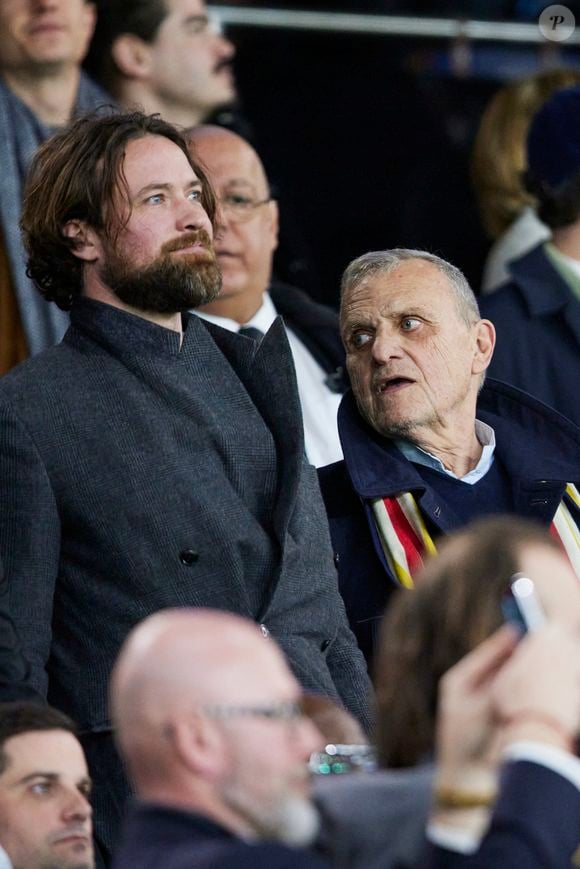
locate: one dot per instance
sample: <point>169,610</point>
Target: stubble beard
<point>169,284</point>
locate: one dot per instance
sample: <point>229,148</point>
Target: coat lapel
<point>267,372</point>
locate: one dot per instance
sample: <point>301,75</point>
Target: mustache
<point>197,236</point>
<point>72,830</point>
<point>224,63</point>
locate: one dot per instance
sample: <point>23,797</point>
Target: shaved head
<point>207,717</point>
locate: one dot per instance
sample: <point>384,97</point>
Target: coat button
<point>336,559</point>
<point>324,645</point>
<point>188,557</point>
<point>265,631</point>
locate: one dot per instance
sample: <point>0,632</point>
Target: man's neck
<point>459,452</point>
<point>240,308</point>
<point>167,321</point>
<point>51,96</point>
<point>566,239</point>
<point>134,95</point>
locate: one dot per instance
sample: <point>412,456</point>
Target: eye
<point>40,788</point>
<point>155,199</point>
<point>359,339</point>
<point>194,195</point>
<point>409,324</point>
<point>237,200</point>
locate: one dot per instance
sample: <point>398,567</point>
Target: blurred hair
<point>384,261</point>
<point>556,206</point>
<point>141,18</point>
<point>18,718</point>
<point>76,175</point>
<point>499,152</point>
<point>454,607</point>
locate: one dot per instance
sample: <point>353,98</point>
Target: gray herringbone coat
<point>118,498</point>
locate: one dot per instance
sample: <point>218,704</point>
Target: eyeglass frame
<point>285,710</point>
<point>242,212</point>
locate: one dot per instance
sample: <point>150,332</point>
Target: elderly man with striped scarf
<point>427,446</point>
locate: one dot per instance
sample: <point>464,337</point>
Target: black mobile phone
<point>521,606</point>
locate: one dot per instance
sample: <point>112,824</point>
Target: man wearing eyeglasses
<point>250,301</point>
<point>209,722</point>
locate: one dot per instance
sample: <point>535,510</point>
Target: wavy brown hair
<point>455,606</point>
<point>75,175</point>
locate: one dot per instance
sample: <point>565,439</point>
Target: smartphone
<point>521,606</point>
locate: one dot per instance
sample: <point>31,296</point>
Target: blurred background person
<point>209,722</point>
<point>455,606</point>
<point>498,164</point>
<point>378,820</point>
<point>250,299</point>
<point>537,314</point>
<point>42,87</point>
<point>164,56</point>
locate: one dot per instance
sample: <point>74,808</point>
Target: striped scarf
<point>406,540</point>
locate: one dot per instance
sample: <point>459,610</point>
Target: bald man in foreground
<point>209,723</point>
<point>250,300</point>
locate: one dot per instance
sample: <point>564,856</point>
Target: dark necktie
<point>251,332</point>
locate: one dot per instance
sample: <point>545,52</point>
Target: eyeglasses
<point>241,208</point>
<point>283,711</point>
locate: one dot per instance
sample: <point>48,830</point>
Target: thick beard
<point>168,285</point>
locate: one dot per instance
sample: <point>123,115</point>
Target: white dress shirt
<point>319,404</point>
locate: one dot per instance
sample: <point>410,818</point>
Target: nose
<point>77,807</point>
<point>385,347</point>
<point>192,215</point>
<point>224,48</point>
<point>309,738</point>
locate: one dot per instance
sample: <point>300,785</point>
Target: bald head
<point>183,658</point>
<point>216,144</point>
<point>207,718</point>
<point>248,233</point>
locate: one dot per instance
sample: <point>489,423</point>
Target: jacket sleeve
<point>348,669</point>
<point>29,542</point>
<point>535,824</point>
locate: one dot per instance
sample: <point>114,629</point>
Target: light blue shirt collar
<point>486,437</point>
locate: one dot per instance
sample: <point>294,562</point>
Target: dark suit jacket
<point>539,449</point>
<point>537,317</point>
<point>14,669</point>
<point>118,499</point>
<point>155,837</point>
<point>317,327</point>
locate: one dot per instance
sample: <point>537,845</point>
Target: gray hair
<point>386,260</point>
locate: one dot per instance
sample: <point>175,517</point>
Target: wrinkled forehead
<point>411,284</point>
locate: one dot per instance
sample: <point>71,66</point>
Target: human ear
<point>131,55</point>
<point>85,243</point>
<point>274,223</point>
<point>484,345</point>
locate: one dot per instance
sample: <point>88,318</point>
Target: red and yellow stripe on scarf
<point>406,541</point>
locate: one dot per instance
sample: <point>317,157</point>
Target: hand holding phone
<point>521,605</point>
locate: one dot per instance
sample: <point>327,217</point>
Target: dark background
<point>367,138</point>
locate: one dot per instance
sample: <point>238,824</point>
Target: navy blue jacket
<point>156,837</point>
<point>535,824</point>
<point>539,449</point>
<point>537,317</point>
